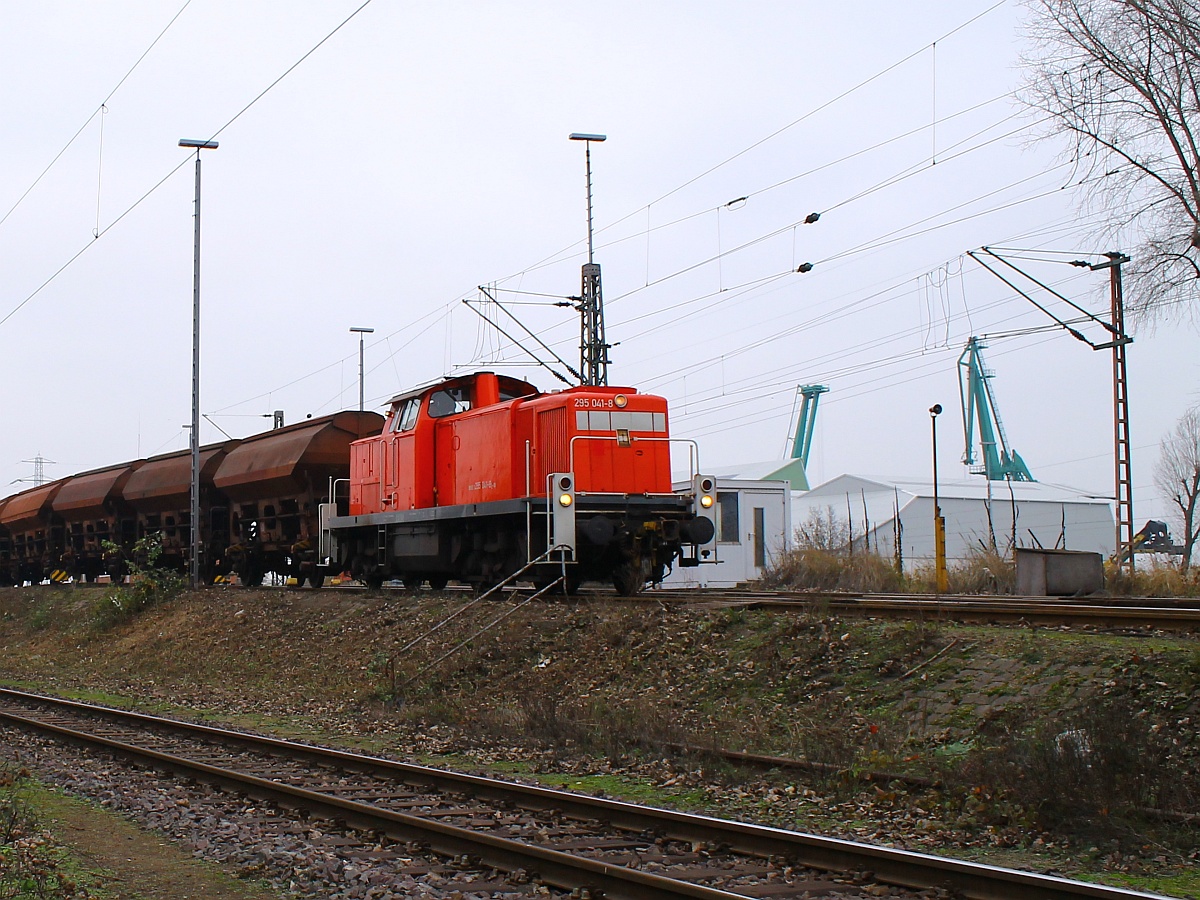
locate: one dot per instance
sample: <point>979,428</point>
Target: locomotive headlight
<point>620,400</point>
<point>706,501</point>
<point>565,500</point>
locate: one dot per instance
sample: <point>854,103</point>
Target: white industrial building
<point>1021,514</point>
<point>754,525</point>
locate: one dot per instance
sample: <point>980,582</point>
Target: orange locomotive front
<point>459,485</point>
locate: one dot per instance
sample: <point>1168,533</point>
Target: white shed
<point>1024,514</point>
<point>754,526</point>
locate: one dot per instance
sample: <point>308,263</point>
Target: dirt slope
<point>597,690</point>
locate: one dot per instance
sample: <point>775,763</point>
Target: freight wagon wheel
<point>250,574</point>
<point>316,579</point>
<point>438,582</point>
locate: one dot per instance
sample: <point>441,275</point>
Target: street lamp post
<point>941,575</point>
<point>360,332</point>
<point>194,524</point>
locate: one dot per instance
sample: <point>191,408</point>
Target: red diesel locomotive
<point>479,476</point>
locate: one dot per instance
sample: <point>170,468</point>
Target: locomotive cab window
<point>449,401</point>
<point>406,416</point>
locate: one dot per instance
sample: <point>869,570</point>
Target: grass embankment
<point>1036,737</point>
<point>54,847</point>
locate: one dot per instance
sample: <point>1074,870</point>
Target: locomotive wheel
<point>438,582</point>
<point>316,579</point>
<point>629,577</point>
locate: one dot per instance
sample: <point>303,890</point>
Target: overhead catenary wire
<point>887,238</point>
<point>848,92</point>
<point>914,169</point>
<point>785,376</point>
<point>101,232</point>
<point>880,297</point>
<point>41,287</point>
<point>98,111</point>
<point>759,142</point>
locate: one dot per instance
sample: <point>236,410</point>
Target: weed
<point>149,585</point>
<point>812,568</point>
<point>1094,768</point>
<point>1155,578</point>
<point>42,616</point>
<point>984,571</point>
<point>30,865</point>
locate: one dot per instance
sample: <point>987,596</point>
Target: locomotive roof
<point>462,379</point>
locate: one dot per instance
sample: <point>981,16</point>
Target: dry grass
<point>809,568</point>
<point>1153,577</point>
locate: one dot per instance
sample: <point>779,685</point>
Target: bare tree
<point>824,530</point>
<point>1120,80</point>
<point>1178,477</point>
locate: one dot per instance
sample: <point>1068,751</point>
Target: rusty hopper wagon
<point>94,514</point>
<point>160,494</point>
<point>259,502</point>
<point>35,531</point>
<point>275,482</point>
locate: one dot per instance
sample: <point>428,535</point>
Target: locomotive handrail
<point>693,455</point>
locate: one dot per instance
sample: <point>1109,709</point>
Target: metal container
<point>275,483</point>
<point>1058,573</point>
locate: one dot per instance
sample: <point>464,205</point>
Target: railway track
<point>1174,614</point>
<point>588,845</point>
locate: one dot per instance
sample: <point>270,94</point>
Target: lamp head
<point>198,145</point>
<point>935,410</point>
<point>576,136</point>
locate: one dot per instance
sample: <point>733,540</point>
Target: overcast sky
<point>422,151</point>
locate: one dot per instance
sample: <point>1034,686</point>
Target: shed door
<point>768,538</point>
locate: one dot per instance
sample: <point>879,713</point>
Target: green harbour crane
<point>999,462</point>
<point>807,422</point>
<point>795,470</point>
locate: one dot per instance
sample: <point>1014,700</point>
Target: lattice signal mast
<point>593,349</point>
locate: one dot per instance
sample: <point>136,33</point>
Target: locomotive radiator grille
<point>555,442</point>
